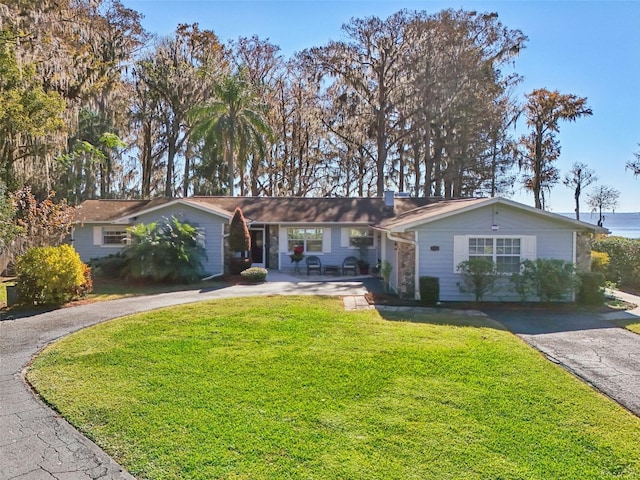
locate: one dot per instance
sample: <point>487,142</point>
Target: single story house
<point>418,236</point>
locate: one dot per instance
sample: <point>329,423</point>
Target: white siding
<point>543,238</point>
<point>333,253</point>
<point>210,225</point>
<point>87,240</point>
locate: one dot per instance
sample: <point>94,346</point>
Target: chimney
<point>389,199</point>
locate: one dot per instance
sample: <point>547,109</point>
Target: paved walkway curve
<point>35,443</point>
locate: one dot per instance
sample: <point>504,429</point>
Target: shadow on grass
<point>442,316</point>
<point>109,289</point>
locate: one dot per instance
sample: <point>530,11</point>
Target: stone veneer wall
<point>583,252</point>
<point>406,266</point>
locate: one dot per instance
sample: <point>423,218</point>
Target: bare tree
<point>602,199</point>
<point>579,177</point>
<point>634,165</point>
<point>544,110</point>
<point>368,67</point>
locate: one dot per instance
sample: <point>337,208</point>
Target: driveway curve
<point>590,346</point>
<point>35,442</point>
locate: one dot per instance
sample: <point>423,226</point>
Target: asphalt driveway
<point>590,346</point>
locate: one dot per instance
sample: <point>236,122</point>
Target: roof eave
<point>180,201</point>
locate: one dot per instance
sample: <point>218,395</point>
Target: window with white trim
<point>114,236</point>
<point>360,237</point>
<point>505,252</point>
<point>310,238</point>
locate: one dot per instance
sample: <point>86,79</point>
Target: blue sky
<point>588,48</point>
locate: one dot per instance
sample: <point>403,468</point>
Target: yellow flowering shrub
<point>51,276</point>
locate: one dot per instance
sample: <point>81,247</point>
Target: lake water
<point>620,224</point>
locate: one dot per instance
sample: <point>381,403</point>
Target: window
<point>481,248</point>
<point>507,257</point>
<point>309,238</point>
<point>505,252</point>
<point>114,236</point>
<point>360,237</point>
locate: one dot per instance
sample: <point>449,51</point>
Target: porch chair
<point>313,263</point>
<point>350,263</point>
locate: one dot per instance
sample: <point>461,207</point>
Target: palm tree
<point>234,119</point>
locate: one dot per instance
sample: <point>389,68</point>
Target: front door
<point>257,247</point>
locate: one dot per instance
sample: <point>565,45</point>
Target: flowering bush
<point>297,254</point>
<point>51,276</point>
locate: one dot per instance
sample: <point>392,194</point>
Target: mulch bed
<point>392,300</point>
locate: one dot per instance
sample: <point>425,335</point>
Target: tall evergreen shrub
<point>239,243</point>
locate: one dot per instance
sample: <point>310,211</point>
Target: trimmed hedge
<point>254,274</point>
<point>429,290</point>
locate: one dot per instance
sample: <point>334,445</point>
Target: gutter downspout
<point>393,238</point>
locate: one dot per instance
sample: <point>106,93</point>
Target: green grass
<point>633,325</point>
<point>276,388</point>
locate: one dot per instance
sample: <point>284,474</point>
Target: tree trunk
<point>146,160</point>
<point>230,163</point>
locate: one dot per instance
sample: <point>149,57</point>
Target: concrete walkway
<point>35,443</point>
<point>590,346</point>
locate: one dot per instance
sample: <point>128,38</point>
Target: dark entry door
<point>257,247</point>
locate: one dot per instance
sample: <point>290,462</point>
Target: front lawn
<point>633,325</point>
<point>273,388</point>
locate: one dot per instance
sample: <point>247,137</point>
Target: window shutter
<point>529,249</point>
<point>460,250</point>
<point>344,237</point>
<point>326,240</point>
<point>283,240</point>
<point>97,235</point>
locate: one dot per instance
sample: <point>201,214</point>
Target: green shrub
<point>166,251</point>
<point>549,279</point>
<point>254,274</point>
<point>479,276</point>
<point>599,261</point>
<point>429,290</point>
<point>385,270</point>
<point>111,266</point>
<point>521,284</point>
<point>591,291</point>
<point>51,276</point>
<point>624,260</point>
